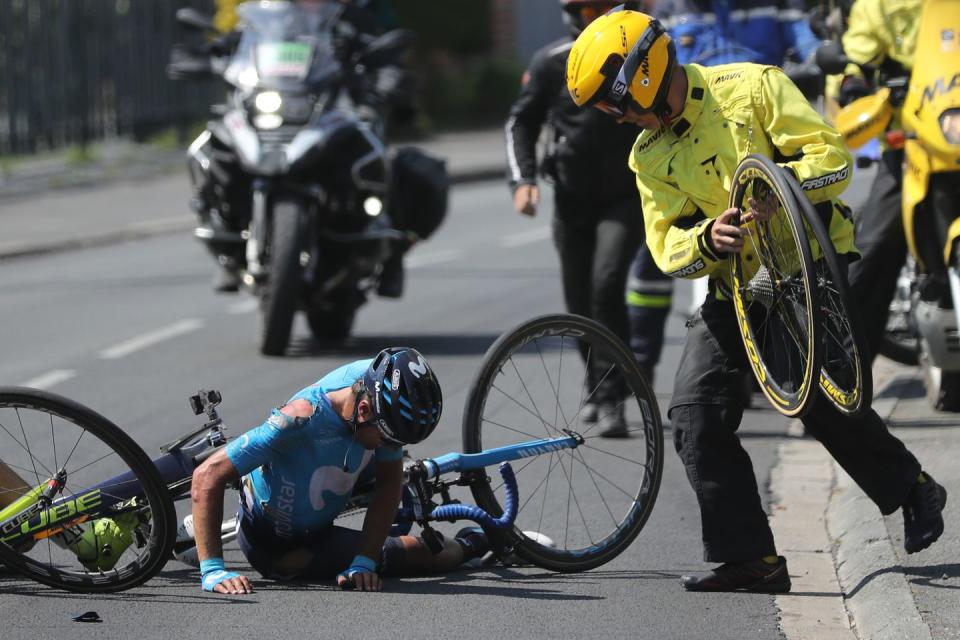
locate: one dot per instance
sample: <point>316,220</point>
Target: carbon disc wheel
<point>845,376</point>
<point>775,291</point>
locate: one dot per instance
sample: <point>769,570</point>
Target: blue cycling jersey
<point>294,479</point>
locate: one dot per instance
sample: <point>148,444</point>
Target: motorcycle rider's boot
<point>923,514</point>
<point>226,280</point>
<point>392,277</point>
<point>612,422</point>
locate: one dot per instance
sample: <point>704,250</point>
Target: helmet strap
<point>354,420</point>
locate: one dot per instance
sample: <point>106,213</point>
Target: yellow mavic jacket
<point>877,30</point>
<point>684,171</point>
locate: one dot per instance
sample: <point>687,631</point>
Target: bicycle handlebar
<point>478,515</point>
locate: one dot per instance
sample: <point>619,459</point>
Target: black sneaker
<point>612,423</point>
<point>757,576</point>
<point>922,517</point>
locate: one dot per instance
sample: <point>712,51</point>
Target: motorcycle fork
<point>257,242</point>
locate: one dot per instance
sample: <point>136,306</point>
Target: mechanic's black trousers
<point>883,248</point>
<point>705,412</point>
<point>596,243</point>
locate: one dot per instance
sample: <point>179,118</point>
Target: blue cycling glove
<point>359,564</point>
<point>212,573</point>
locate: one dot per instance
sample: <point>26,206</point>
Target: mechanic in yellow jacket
<point>699,122</point>
<point>881,35</point>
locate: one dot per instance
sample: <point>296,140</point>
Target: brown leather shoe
<point>757,576</point>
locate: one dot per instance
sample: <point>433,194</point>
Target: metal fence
<point>74,71</point>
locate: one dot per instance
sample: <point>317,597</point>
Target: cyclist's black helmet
<point>407,401</point>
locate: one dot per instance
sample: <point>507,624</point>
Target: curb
<point>848,581</point>
<point>876,592</point>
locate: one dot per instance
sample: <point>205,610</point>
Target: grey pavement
<point>37,214</point>
<point>851,576</point>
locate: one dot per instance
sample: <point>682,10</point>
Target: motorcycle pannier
<point>419,194</point>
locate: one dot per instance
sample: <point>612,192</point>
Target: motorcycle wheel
<point>943,387</point>
<point>331,324</point>
<point>899,341</point>
<point>278,302</point>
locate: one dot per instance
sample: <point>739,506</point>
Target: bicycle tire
<point>772,359</point>
<point>579,551</point>
<point>846,379</point>
<point>157,541</point>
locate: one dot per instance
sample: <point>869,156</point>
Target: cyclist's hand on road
<point>362,575</point>
<point>762,209</point>
<point>361,580</point>
<point>526,198</point>
<point>724,235</point>
<point>226,582</point>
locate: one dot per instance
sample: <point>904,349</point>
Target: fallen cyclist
<point>298,469</point>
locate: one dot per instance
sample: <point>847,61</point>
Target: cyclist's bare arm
<point>210,481</point>
<point>12,486</point>
<point>380,516</point>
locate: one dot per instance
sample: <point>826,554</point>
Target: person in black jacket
<point>598,222</point>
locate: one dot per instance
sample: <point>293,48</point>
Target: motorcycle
<point>929,289</point>
<point>293,183</point>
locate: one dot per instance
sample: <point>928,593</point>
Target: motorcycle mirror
<point>194,19</point>
<point>385,48</point>
<point>831,58</point>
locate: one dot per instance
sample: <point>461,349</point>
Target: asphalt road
<point>132,330</point>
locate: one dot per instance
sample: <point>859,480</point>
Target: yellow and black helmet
<point>622,60</point>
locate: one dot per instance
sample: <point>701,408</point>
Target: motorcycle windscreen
<point>283,60</point>
<point>284,46</point>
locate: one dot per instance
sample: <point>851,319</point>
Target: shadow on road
<point>935,575</point>
<point>499,581</point>
<point>903,389</point>
<point>367,346</point>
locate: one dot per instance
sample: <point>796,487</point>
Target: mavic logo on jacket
<point>418,368</point>
<point>689,269</point>
<point>824,181</point>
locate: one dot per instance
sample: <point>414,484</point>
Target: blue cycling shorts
<point>319,556</point>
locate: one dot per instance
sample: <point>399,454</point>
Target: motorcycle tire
<point>280,296</point>
<point>898,350</point>
<point>331,324</point>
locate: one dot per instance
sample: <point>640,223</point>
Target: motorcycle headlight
<point>950,125</point>
<point>373,206</point>
<point>267,121</point>
<point>268,102</point>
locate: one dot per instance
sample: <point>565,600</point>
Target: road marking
<point>527,237</point>
<point>50,378</point>
<point>244,306</point>
<point>150,339</point>
<point>425,259</point>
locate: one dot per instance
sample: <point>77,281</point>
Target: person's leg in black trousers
<point>883,248</point>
